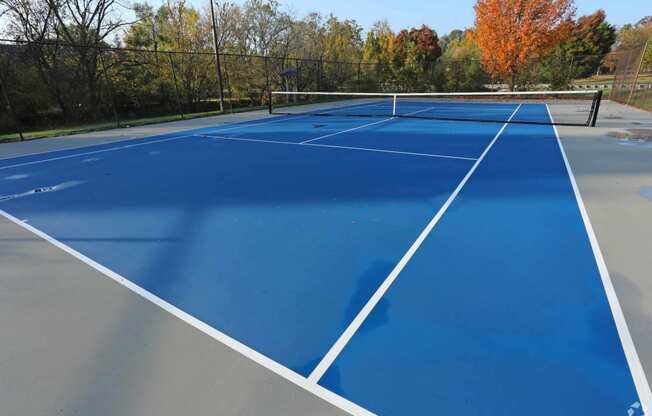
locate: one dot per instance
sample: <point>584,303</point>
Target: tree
<point>308,36</point>
<point>414,54</point>
<point>510,33</point>
<point>590,39</point>
<point>446,40</point>
<point>266,28</point>
<point>460,68</point>
<point>376,56</point>
<point>635,35</point>
<point>343,40</point>
<point>73,72</point>
<point>632,36</point>
<point>175,27</point>
<point>227,19</point>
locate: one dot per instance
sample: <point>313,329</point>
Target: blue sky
<point>441,15</point>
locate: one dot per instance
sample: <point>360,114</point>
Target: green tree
<point>632,36</point>
<point>446,40</point>
<point>174,27</point>
<point>460,68</point>
<point>589,40</point>
<point>377,56</point>
<point>343,40</point>
<point>414,54</point>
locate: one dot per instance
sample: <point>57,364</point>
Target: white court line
<point>353,327</point>
<point>151,136</point>
<point>398,152</point>
<point>276,119</point>
<point>84,146</point>
<point>235,345</point>
<point>128,146</point>
<point>119,141</point>
<point>366,149</point>
<point>633,360</point>
<point>347,130</point>
<point>236,125</point>
<point>289,117</point>
<point>365,125</point>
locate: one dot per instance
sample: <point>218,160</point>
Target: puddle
<point>646,192</point>
<point>633,137</point>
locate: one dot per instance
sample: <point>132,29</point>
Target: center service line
<point>353,327</point>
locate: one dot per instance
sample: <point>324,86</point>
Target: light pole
<point>218,68</point>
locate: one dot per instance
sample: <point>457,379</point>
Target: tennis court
<point>388,264</point>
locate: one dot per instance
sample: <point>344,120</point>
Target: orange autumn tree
<point>510,33</point>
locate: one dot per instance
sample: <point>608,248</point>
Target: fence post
<point>10,108</point>
<point>359,74</point>
<point>110,88</point>
<point>319,73</point>
<point>176,89</point>
<point>267,81</point>
<point>638,71</point>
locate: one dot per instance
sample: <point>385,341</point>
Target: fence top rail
<point>208,53</point>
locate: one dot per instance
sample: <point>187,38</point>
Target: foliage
<point>414,53</point>
<point>510,33</point>
<point>632,36</point>
<point>73,68</point>
<point>581,54</point>
<point>461,68</point>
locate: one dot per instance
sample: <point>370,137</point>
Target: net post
<point>394,107</point>
<point>269,101</point>
<point>596,108</point>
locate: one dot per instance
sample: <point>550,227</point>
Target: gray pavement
<point>76,343</point>
<point>615,179</point>
<point>125,133</point>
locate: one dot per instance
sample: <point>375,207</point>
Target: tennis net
<point>577,108</point>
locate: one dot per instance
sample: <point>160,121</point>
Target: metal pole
<point>176,89</point>
<point>596,108</point>
<point>267,81</point>
<point>218,68</point>
<point>638,71</point>
<point>359,74</point>
<point>10,108</point>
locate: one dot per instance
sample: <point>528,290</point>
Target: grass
<point>642,99</point>
<point>109,125</point>
<point>609,79</point>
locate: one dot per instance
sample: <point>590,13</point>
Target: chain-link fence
<point>633,77</point>
<point>50,86</point>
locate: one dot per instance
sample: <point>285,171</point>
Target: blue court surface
<point>391,266</point>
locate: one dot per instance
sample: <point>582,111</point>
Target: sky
<point>440,15</point>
